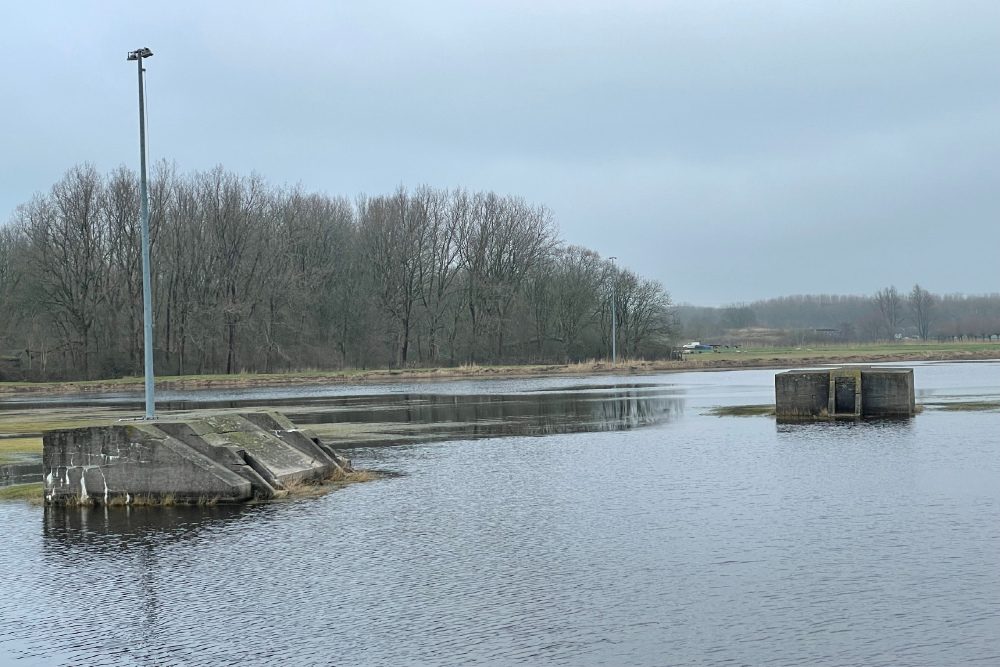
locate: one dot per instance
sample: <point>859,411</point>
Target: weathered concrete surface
<point>854,391</point>
<point>887,393</point>
<point>222,457</point>
<point>802,393</point>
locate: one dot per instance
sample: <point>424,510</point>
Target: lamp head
<point>138,54</point>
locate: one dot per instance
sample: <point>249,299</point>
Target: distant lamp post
<point>614,318</point>
<point>147,299</point>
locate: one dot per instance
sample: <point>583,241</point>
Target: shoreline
<point>759,360</point>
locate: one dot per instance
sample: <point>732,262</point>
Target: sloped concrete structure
<point>223,457</point>
<point>849,391</point>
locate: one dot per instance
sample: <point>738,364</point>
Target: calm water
<point>672,538</point>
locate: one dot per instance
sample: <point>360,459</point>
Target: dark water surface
<point>666,537</point>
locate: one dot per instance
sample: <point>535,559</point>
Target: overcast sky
<point>732,150</point>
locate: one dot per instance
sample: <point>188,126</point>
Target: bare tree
<point>249,276</point>
<point>501,242</point>
<point>873,326</point>
<point>921,303</point>
<point>124,289</point>
<point>237,212</point>
<point>889,303</point>
<point>438,264</point>
<point>69,247</point>
<point>392,232</point>
<point>739,316</point>
<point>577,283</point>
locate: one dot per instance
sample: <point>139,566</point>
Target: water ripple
<point>698,540</point>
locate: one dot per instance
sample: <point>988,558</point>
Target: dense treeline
<point>252,277</point>
<point>888,314</point>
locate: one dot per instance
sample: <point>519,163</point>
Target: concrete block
<point>850,391</point>
<point>123,461</point>
<point>887,392</point>
<point>223,457</point>
<point>802,394</point>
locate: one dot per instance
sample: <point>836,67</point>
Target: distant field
<point>833,352</point>
<point>743,358</point>
<point>21,426</point>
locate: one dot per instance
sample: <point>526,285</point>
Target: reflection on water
<point>121,527</point>
<point>503,414</point>
<point>694,540</point>
<point>406,417</point>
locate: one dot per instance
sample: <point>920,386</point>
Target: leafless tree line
<point>853,318</point>
<point>249,277</point>
<point>892,310</point>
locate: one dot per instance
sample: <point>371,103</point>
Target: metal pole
<point>614,318</point>
<point>147,299</point>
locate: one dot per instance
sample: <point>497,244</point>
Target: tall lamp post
<point>614,318</point>
<point>147,299</point>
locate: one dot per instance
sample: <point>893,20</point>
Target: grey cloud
<point>726,148</point>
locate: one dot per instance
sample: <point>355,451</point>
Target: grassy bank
<point>722,359</point>
<point>26,492</point>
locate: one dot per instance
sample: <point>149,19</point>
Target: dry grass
<point>142,500</point>
<point>336,480</point>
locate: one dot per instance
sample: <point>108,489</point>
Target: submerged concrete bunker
<point>223,457</point>
<point>848,391</point>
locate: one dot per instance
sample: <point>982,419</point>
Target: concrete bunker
<point>223,457</point>
<point>847,391</point>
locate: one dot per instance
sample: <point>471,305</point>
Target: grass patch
<point>742,411</point>
<point>20,445</point>
<point>38,426</point>
<point>29,492</point>
<point>966,406</point>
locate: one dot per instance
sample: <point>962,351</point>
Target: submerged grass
<point>965,406</point>
<point>769,411</point>
<point>766,410</point>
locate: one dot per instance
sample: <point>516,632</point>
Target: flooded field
<point>549,521</point>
